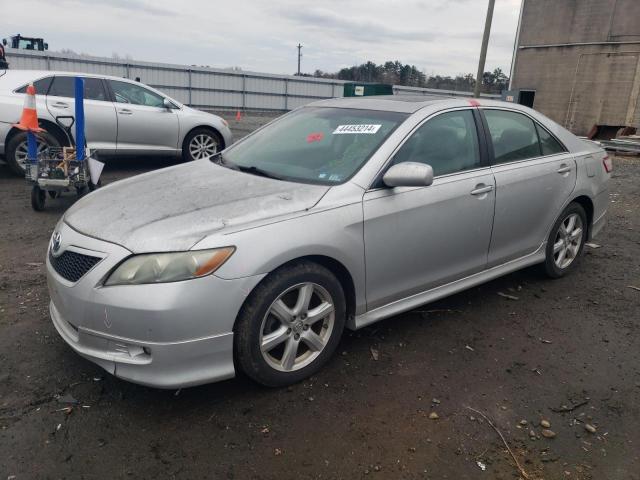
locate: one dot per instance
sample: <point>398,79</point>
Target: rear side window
<point>448,143</point>
<point>550,146</point>
<point>65,87</point>
<point>42,86</point>
<point>514,136</point>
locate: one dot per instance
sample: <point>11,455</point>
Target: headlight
<point>169,267</point>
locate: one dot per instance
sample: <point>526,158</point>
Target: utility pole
<point>299,57</point>
<point>483,49</point>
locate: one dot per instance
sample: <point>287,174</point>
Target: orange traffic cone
<point>238,116</point>
<point>29,119</point>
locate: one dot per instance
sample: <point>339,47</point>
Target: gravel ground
<point>566,351</point>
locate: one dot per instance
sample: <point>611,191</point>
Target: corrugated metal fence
<point>205,87</point>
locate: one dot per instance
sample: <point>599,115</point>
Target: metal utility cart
<point>58,170</point>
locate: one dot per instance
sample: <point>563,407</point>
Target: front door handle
<point>61,105</point>
<point>480,190</point>
<point>125,111</point>
<point>564,169</point>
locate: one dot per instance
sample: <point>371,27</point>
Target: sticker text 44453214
<point>361,129</point>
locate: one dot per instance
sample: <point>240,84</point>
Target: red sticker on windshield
<point>315,137</point>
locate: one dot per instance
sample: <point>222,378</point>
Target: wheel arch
<point>586,203</point>
<point>334,266</point>
<point>205,127</point>
<point>48,125</point>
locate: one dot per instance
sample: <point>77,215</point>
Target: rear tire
<point>17,147</point>
<point>38,198</point>
<point>566,241</point>
<point>281,337</point>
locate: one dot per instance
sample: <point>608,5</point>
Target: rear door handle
<point>481,190</point>
<point>61,105</point>
<point>124,111</point>
<point>564,169</point>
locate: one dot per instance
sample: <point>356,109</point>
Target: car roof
<point>12,79</point>
<point>412,103</point>
<point>387,103</point>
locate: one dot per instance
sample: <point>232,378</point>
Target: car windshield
<point>314,144</point>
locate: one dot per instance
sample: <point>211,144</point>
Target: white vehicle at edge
<point>123,117</point>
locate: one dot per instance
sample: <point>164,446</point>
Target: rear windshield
<point>315,144</point>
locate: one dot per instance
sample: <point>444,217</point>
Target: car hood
<point>174,208</point>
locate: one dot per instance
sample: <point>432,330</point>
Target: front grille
<point>72,265</point>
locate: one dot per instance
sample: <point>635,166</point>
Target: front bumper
<point>166,335</point>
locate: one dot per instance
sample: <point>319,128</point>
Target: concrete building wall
<point>582,59</point>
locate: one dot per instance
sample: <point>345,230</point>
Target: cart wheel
<point>95,186</point>
<point>38,197</point>
<point>54,193</point>
<point>81,191</point>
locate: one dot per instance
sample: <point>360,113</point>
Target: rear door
<point>100,114</point>
<point>419,238</point>
<point>534,175</point>
<point>144,123</point>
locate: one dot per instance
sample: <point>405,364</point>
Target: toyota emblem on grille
<point>56,241</point>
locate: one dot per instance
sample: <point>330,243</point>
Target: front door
<point>535,176</point>
<point>420,238</point>
<point>100,114</point>
<point>144,123</point>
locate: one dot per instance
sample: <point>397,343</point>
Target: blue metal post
<point>80,141</point>
<point>32,147</point>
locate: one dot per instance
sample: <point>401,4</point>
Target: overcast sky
<point>438,36</point>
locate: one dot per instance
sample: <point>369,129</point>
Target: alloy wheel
<point>21,154</point>
<point>202,146</point>
<point>568,241</point>
<point>297,327</point>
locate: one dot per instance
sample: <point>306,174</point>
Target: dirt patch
<point>566,351</point>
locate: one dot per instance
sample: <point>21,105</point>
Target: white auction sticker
<point>366,129</point>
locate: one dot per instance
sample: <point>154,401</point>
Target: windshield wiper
<point>220,160</point>
<point>258,171</point>
<point>223,162</point>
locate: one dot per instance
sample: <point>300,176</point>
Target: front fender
<point>335,233</point>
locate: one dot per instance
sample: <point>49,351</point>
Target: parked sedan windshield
<point>314,144</point>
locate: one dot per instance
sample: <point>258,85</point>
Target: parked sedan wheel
<point>17,149</point>
<point>290,325</point>
<point>201,143</point>
<point>566,241</point>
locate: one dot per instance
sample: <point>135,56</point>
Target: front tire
<point>16,153</point>
<point>290,325</point>
<point>566,241</point>
<point>201,143</point>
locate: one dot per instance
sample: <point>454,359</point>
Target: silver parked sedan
<point>123,117</point>
<point>338,214</point>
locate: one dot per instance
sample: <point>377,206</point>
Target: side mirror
<point>169,104</point>
<point>46,46</point>
<point>409,174</point>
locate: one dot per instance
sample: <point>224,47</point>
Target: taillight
<point>607,163</point>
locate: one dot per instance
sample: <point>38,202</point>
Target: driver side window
<point>448,142</point>
<point>135,94</point>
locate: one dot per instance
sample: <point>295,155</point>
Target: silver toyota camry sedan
<point>334,216</point>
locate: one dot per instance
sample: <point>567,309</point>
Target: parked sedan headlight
<point>169,267</point>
